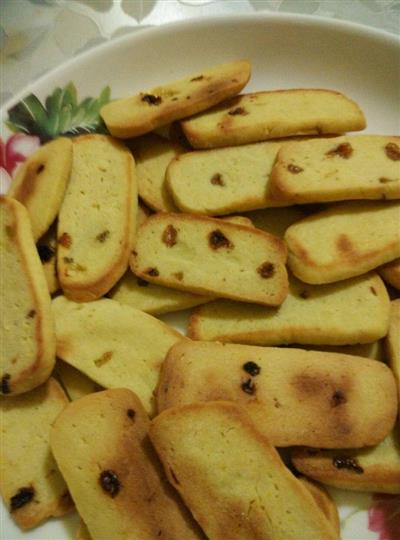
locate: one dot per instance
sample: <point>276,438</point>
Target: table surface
<point>37,35</point>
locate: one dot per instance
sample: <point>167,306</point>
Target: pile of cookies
<point>282,233</point>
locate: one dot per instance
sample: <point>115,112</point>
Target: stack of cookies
<point>281,232</point>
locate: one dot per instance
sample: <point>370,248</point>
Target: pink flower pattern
<point>13,152</point>
<point>384,516</point>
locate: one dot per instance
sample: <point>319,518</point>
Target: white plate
<point>286,51</point>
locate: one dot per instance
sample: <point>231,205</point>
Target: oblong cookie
<point>338,169</point>
<point>231,478</point>
<point>273,114</point>
<point>346,240</point>
<point>324,501</point>
<point>349,312</point>
<point>391,273</point>
<point>30,482</point>
<point>27,328</point>
<point>41,181</point>
<point>212,257</point>
<point>392,341</point>
<point>113,344</point>
<point>97,219</point>
<point>366,469</point>
<point>101,446</point>
<point>329,400</point>
<point>159,106</point>
<point>152,155</point>
<point>75,383</point>
<point>225,180</point>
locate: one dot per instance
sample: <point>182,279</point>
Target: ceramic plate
<point>286,51</point>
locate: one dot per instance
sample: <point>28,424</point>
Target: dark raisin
<point>392,151</point>
<point>169,236</point>
<point>23,497</point>
<point>304,295</point>
<point>373,290</point>
<point>40,169</point>
<point>131,413</point>
<point>199,78</point>
<point>238,111</point>
<point>174,476</point>
<point>141,282</point>
<point>252,368</point>
<point>151,99</point>
<point>344,462</point>
<point>102,237</point>
<point>217,239</point>
<point>31,314</point>
<point>65,240</point>
<point>338,398</point>
<point>343,150</point>
<point>295,169</point>
<point>384,180</point>
<point>178,275</point>
<point>68,260</point>
<point>216,180</point>
<point>266,270</point>
<point>45,252</point>
<point>5,384</point>
<point>152,272</point>
<point>110,483</point>
<point>248,386</point>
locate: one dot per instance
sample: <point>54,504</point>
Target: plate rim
<point>263,17</point>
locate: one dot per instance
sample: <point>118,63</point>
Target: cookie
<point>348,312</point>
<point>82,533</point>
<point>231,478</point>
<point>222,181</point>
<point>392,341</point>
<point>324,501</point>
<point>346,240</point>
<point>154,299</point>
<point>152,155</point>
<point>97,218</point>
<point>375,469</point>
<point>148,110</point>
<point>47,249</point>
<point>276,220</point>
<point>211,257</point>
<point>113,344</point>
<point>101,446</point>
<point>329,400</point>
<point>274,114</point>
<point>339,169</point>
<point>75,383</point>
<point>41,181</point>
<point>390,272</point>
<point>27,327</point>
<point>30,483</point>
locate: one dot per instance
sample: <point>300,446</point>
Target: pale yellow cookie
<point>323,500</point>
<point>393,341</point>
<point>74,382</point>
<point>273,114</point>
<point>41,181</point>
<point>30,483</point>
<point>276,220</point>
<point>349,312</point>
<point>139,114</point>
<point>346,240</point>
<point>101,446</point>
<point>295,397</point>
<point>212,257</point>
<point>97,220</point>
<point>115,345</point>
<point>338,169</point>
<point>27,327</point>
<point>231,478</point>
<point>391,273</point>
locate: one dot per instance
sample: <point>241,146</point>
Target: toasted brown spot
<point>169,236</point>
<point>308,384</point>
<point>131,413</point>
<point>141,282</point>
<point>65,240</point>
<point>152,272</point>
<point>151,99</point>
<point>248,386</point>
<point>68,260</point>
<point>199,78</point>
<point>21,498</point>
<point>343,150</point>
<point>338,398</point>
<point>175,479</point>
<point>344,244</point>
<point>392,151</point>
<point>178,275</point>
<point>5,384</point>
<point>295,169</point>
<point>110,483</point>
<point>384,180</point>
<point>238,111</point>
<point>9,231</point>
<point>104,358</point>
<point>266,270</point>
<point>31,314</point>
<point>102,237</point>
<point>217,239</point>
<point>304,294</point>
<point>45,252</point>
<point>373,290</point>
<point>216,180</point>
<point>345,462</point>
